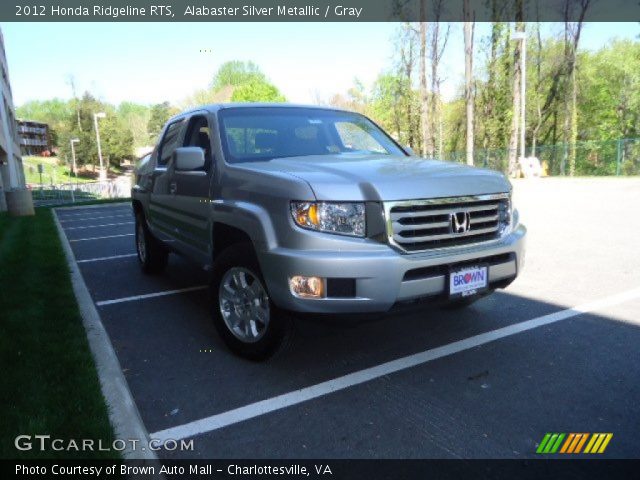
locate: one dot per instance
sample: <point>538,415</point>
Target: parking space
<point>487,381</point>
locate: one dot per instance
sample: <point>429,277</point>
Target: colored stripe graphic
<point>567,443</point>
<point>581,443</point>
<point>605,443</point>
<point>598,443</point>
<point>543,443</point>
<point>573,443</point>
<point>556,445</point>
<point>550,443</point>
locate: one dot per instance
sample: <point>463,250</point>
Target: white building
<point>13,194</point>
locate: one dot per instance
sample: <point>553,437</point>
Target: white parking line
<point>149,295</point>
<point>216,422</point>
<point>96,218</point>
<point>89,214</point>
<point>101,259</point>
<point>98,226</point>
<point>101,238</point>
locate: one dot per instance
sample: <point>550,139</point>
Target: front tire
<point>153,256</point>
<point>243,313</point>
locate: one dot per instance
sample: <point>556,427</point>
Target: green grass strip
<point>50,384</point>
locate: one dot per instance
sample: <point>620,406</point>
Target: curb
<point>123,412</point>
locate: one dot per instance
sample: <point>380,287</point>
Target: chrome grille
<point>427,224</point>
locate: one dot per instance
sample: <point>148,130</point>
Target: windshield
<point>264,133</point>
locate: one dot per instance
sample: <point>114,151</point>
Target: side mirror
<point>188,158</point>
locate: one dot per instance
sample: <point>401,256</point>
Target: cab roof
<point>215,107</point>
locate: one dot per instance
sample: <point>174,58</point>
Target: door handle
<point>173,188</point>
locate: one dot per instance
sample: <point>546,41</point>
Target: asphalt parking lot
<point>557,351</point>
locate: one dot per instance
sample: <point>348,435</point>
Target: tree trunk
<point>438,44</point>
<point>538,99</point>
<point>433,117</point>
<point>515,120</point>
<point>468,75</point>
<point>572,32</point>
<point>408,67</point>
<point>424,94</point>
<point>574,124</point>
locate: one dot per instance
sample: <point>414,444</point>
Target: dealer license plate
<point>468,281</point>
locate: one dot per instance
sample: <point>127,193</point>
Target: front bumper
<point>385,277</point>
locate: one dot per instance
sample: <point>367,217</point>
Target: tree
<point>54,113</point>
<point>493,95</point>
<point>116,138</point>
<point>572,32</point>
<point>517,79</point>
<point>401,89</point>
<point>468,74</point>
<point>427,146</point>
<point>236,81</point>
<point>158,116</point>
<point>609,92</point>
<point>135,118</point>
<point>257,91</point>
<point>356,98</point>
<point>386,104</point>
<point>237,73</point>
<point>438,44</point>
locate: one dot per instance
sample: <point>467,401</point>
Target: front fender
<point>252,219</point>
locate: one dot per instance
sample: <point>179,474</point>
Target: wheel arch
<point>224,235</point>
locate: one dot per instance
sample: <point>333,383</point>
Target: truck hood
<point>351,177</point>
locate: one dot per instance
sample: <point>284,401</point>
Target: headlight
<point>331,217</point>
<point>507,217</point>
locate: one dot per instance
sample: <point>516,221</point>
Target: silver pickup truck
<point>317,210</point>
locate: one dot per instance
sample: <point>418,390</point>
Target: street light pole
<point>96,116</point>
<point>73,156</point>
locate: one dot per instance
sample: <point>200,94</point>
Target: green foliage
<point>158,116</point>
<point>257,91</point>
<point>130,124</point>
<point>392,98</point>
<point>116,138</point>
<point>135,118</point>
<point>53,112</point>
<point>494,105</point>
<point>609,92</point>
<point>236,73</point>
<point>238,81</point>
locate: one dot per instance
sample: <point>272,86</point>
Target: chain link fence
<point>615,157</point>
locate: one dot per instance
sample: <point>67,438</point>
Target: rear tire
<point>153,256</point>
<point>243,313</point>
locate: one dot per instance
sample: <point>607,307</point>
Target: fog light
<point>307,287</point>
